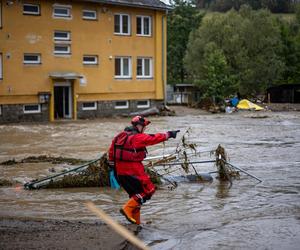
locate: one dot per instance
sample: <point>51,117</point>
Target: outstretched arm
<point>144,140</point>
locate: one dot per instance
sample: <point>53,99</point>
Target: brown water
<point>193,216</point>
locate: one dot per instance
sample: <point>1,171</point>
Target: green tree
<point>275,6</point>
<point>183,19</point>
<point>290,36</point>
<point>249,40</point>
<point>216,81</point>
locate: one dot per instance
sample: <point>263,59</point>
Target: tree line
<point>275,6</point>
<point>244,50</point>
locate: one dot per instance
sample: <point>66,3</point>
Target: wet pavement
<point>193,216</point>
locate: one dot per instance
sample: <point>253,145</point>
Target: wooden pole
<point>116,226</point>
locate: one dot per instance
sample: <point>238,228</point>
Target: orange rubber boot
<point>128,208</point>
<point>137,215</point>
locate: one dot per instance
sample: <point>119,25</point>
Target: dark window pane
<point>144,103</point>
<point>117,23</point>
<point>89,14</point>
<point>146,26</point>
<point>121,103</point>
<point>61,11</point>
<point>117,66</point>
<point>139,25</point>
<point>88,104</point>
<point>126,67</point>
<point>61,34</point>
<point>139,67</point>
<point>61,48</point>
<point>30,58</point>
<point>31,108</point>
<point>125,25</point>
<point>147,67</point>
<point>89,59</point>
<point>31,9</point>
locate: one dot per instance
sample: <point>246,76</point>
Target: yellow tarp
<point>246,104</point>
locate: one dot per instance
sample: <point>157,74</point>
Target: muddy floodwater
<point>249,215</point>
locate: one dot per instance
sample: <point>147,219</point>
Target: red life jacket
<point>123,149</point>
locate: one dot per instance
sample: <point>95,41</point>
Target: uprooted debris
<point>226,173</point>
<point>92,174</point>
<point>5,183</point>
<point>162,111</point>
<point>45,158</point>
<point>95,175</point>
<point>161,169</point>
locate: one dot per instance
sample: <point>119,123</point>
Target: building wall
<point>104,109</point>
<point>34,34</point>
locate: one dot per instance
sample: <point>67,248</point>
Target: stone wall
<point>12,113</point>
<point>107,109</point>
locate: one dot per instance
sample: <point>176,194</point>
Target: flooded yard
<point>249,215</point>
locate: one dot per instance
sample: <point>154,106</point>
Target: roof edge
<point>144,6</point>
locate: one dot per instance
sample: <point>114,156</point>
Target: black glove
<point>173,134</point>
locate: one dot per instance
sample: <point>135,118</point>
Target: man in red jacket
<point>126,153</point>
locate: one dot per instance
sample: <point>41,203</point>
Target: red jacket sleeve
<point>144,140</point>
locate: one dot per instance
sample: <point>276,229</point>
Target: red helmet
<point>140,120</point>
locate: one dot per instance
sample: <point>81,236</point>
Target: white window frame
<point>66,7</point>
<point>140,106</point>
<point>90,62</point>
<point>121,24</point>
<point>142,25</point>
<point>120,106</point>
<point>88,17</point>
<point>31,12</point>
<point>38,61</point>
<point>67,38</point>
<point>32,111</point>
<point>58,52</point>
<point>89,108</point>
<point>143,76</point>
<point>1,66</point>
<point>122,76</point>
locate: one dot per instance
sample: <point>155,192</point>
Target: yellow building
<point>80,59</point>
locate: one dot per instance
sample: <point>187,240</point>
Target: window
<point>62,11</point>
<point>122,67</point>
<point>62,49</point>
<point>122,24</point>
<point>121,105</point>
<point>32,58</point>
<point>1,67</point>
<point>89,14</point>
<point>143,25</point>
<point>31,108</point>
<point>143,104</point>
<point>62,35</point>
<point>31,9</point>
<point>89,59</point>
<point>144,68</point>
<point>89,106</point>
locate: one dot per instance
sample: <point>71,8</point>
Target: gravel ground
<point>54,234</point>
